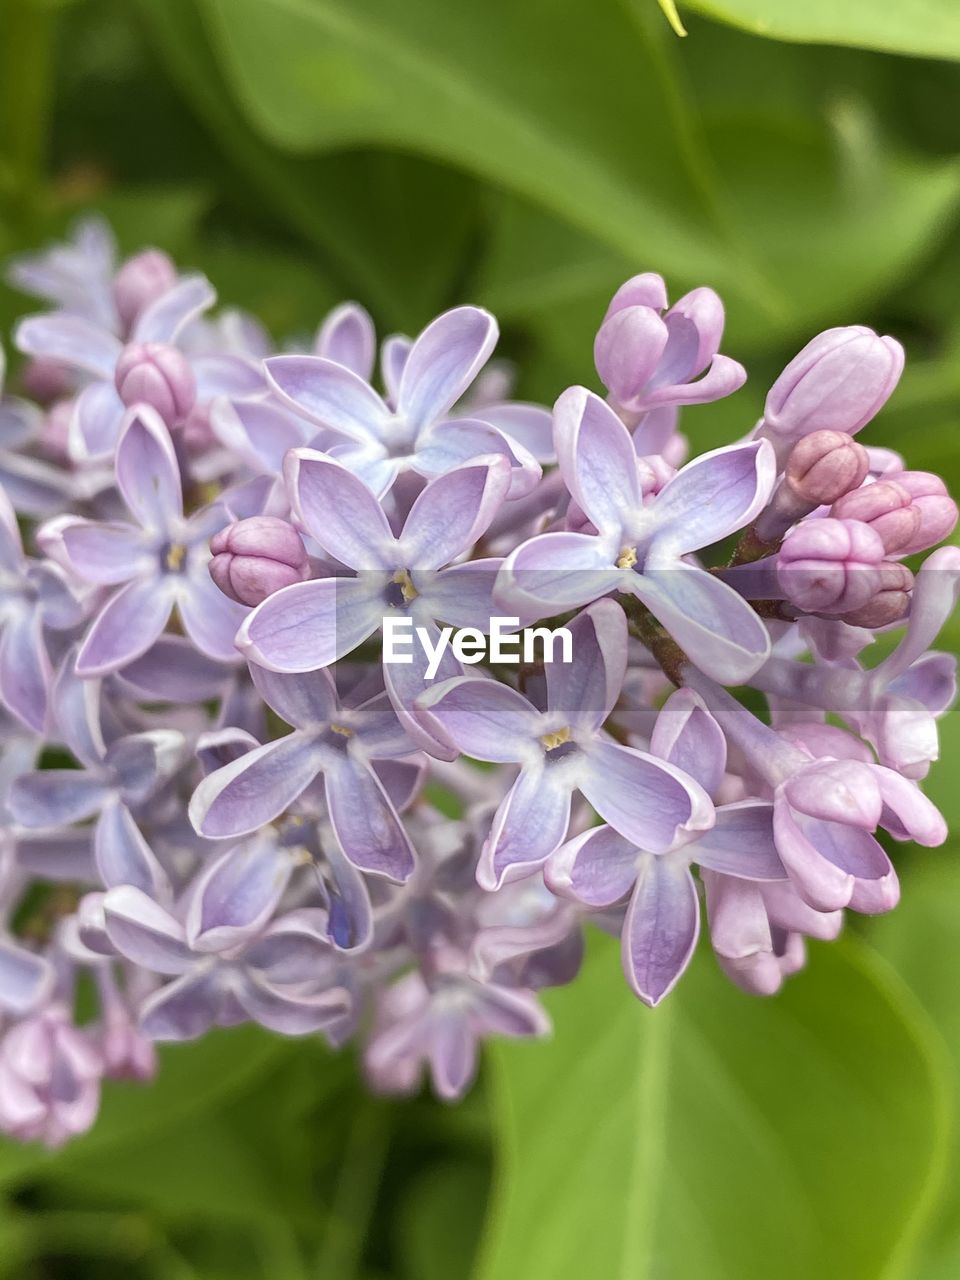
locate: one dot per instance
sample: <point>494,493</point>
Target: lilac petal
<point>462,595</point>
<point>935,592</point>
<point>393,356</point>
<point>237,895</point>
<point>585,690</point>
<point>347,337</point>
<point>95,423</point>
<point>56,797</point>
<point>874,897</point>
<point>443,362</point>
<point>184,1009</point>
<point>366,823</point>
<point>529,425</point>
<point>787,910</point>
<point>402,780</point>
<point>451,444</point>
<point>330,395</point>
<point>597,868</point>
<point>452,1054</point>
<point>76,342</point>
<point>258,432</point>
<point>740,933</point>
<point>350,912</point>
<point>708,620</point>
<point>11,546</point>
<point>25,670</point>
<point>226,376</point>
<point>503,1011</point>
<point>144,932</point>
<point>481,718</point>
<point>148,475</point>
<point>126,627</point>
<point>25,979</point>
<point>289,1014</point>
<point>122,854</point>
<point>597,459</point>
<point>931,681</point>
<point>379,733</point>
<point>406,683</point>
<point>918,818</point>
<point>528,827</point>
<point>741,843</point>
<point>647,800</point>
<point>628,349</point>
<point>452,512</point>
<point>554,572</point>
<point>311,624</point>
<point>105,554</point>
<point>167,316</point>
<point>210,618</point>
<point>722,378</point>
<point>713,496</point>
<point>695,327</point>
<point>253,790</point>
<point>820,882</point>
<point>221,746</point>
<point>339,511</point>
<point>687,735</point>
<point>661,927</point>
<point>304,701</point>
<point>35,488</point>
<point>59,855</point>
<point>173,671</point>
<point>369,463</point>
<point>292,948</point>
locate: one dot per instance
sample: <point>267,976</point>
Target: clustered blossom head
<point>246,815</point>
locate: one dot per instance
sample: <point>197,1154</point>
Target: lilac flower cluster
<point>222,804</point>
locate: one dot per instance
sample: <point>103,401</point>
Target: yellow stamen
<point>342,729</point>
<point>176,556</point>
<point>555,739</point>
<point>407,589</point>
<point>628,558</point>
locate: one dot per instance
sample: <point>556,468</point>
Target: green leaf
<point>920,940</point>
<point>191,1079</point>
<point>440,1220</point>
<point>589,128</point>
<point>928,28</point>
<point>718,1132</point>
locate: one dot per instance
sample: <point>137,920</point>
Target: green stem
<point>26,94</point>
<point>356,1192</point>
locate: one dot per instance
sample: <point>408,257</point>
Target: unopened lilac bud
<point>645,290</point>
<point>838,382</point>
<point>44,379</point>
<point>891,602</point>
<point>159,375</point>
<point>255,557</point>
<point>830,566</point>
<point>887,508</point>
<point>141,280</point>
<point>938,511</point>
<point>825,465</point>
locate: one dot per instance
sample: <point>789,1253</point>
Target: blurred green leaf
<point>929,28</point>
<point>920,941</point>
<point>719,1132</point>
<point>440,1221</point>
<point>497,90</point>
<point>192,1078</point>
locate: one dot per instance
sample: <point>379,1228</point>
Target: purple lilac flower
<point>561,749</point>
<point>643,544</point>
<point>159,563</point>
<point>380,440</point>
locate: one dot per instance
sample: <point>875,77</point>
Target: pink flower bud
<point>646,290</point>
<point>255,557</point>
<point>887,508</point>
<point>892,601</point>
<point>938,511</point>
<point>627,350</point>
<point>159,375</point>
<point>825,465</point>
<point>141,280</point>
<point>830,566</point>
<point>44,379</point>
<point>838,382</point>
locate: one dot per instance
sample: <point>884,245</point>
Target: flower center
<point>628,558</point>
<point>176,554</point>
<point>343,730</point>
<point>556,739</point>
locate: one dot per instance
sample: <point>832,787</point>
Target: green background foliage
<point>804,159</point>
